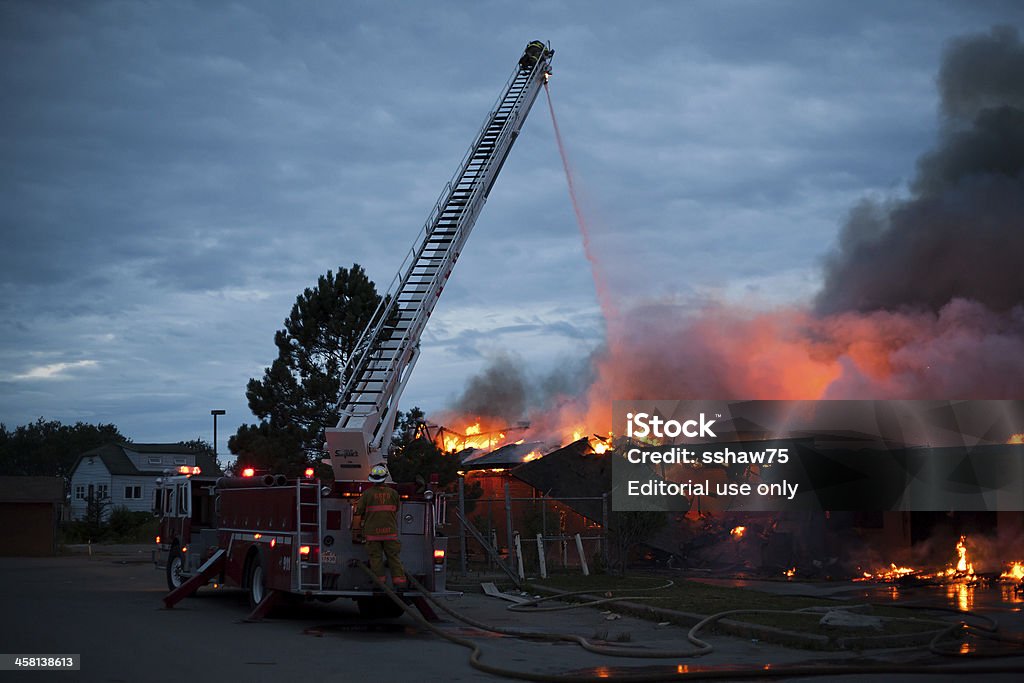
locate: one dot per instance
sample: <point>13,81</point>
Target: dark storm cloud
<point>129,141</point>
<point>962,232</point>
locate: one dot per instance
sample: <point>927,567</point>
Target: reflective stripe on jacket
<point>378,506</point>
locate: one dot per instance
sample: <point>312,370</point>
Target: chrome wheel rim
<point>176,565</point>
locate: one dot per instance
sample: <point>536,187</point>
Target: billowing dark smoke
<point>503,391</point>
<point>961,233</point>
<point>498,391</point>
<point>982,72</point>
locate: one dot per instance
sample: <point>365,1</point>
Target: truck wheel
<point>175,565</point>
<point>378,607</point>
<point>257,582</point>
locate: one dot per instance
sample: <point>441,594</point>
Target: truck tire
<point>175,565</point>
<point>256,581</point>
<point>378,607</point>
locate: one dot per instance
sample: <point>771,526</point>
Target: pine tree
<point>296,398</point>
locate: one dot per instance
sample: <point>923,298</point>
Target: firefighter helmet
<point>378,473</point>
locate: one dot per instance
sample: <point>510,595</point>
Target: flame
<point>962,565</point>
<point>1014,573</point>
<point>789,573</point>
<point>738,531</point>
<point>1017,439</point>
<point>962,571</point>
<point>532,455</point>
<point>463,432</point>
<point>890,574</point>
<point>470,433</point>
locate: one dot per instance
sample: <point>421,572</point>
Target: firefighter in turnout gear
<point>534,51</point>
<point>377,515</point>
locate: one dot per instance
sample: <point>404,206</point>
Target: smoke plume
<point>962,232</point>
<point>922,298</point>
<point>499,391</point>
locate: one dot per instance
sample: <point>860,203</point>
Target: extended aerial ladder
<point>382,361</point>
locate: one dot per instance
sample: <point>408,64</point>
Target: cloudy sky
<point>174,174</point>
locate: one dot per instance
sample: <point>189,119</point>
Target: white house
<point>124,474</point>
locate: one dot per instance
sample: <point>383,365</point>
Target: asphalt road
<point>108,609</point>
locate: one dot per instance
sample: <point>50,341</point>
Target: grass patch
<point>703,599</point>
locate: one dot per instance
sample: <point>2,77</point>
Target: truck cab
<point>185,505</point>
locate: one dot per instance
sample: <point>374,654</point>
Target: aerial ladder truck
<point>273,536</point>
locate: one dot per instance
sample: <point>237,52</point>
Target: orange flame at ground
<point>962,565</point>
<point>962,571</point>
<point>1016,439</point>
<point>738,531</point>
<point>890,574</point>
<point>1014,573</point>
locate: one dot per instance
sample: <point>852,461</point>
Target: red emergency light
<point>248,472</point>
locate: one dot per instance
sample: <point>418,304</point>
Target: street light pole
<point>215,413</point>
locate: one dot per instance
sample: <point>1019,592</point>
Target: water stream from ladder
<point>608,309</point>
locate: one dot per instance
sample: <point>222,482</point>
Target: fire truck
<point>274,536</point>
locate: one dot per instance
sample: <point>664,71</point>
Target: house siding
<point>143,504</point>
<point>117,466</point>
<point>90,472</point>
<point>96,474</point>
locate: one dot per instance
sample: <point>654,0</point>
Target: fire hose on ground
<point>701,647</point>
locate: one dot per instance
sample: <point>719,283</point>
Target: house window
<point>180,461</point>
<point>156,460</point>
<point>133,492</point>
<point>102,491</point>
<point>80,492</point>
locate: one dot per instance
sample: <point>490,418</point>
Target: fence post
<point>583,557</point>
<point>540,557</point>
<point>462,528</point>
<point>544,514</point>
<point>491,534</point>
<point>519,556</point>
<point>508,520</point>
<point>604,524</point>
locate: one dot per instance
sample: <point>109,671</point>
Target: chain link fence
<point>525,535</point>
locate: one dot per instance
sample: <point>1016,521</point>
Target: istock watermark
<point>818,455</point>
